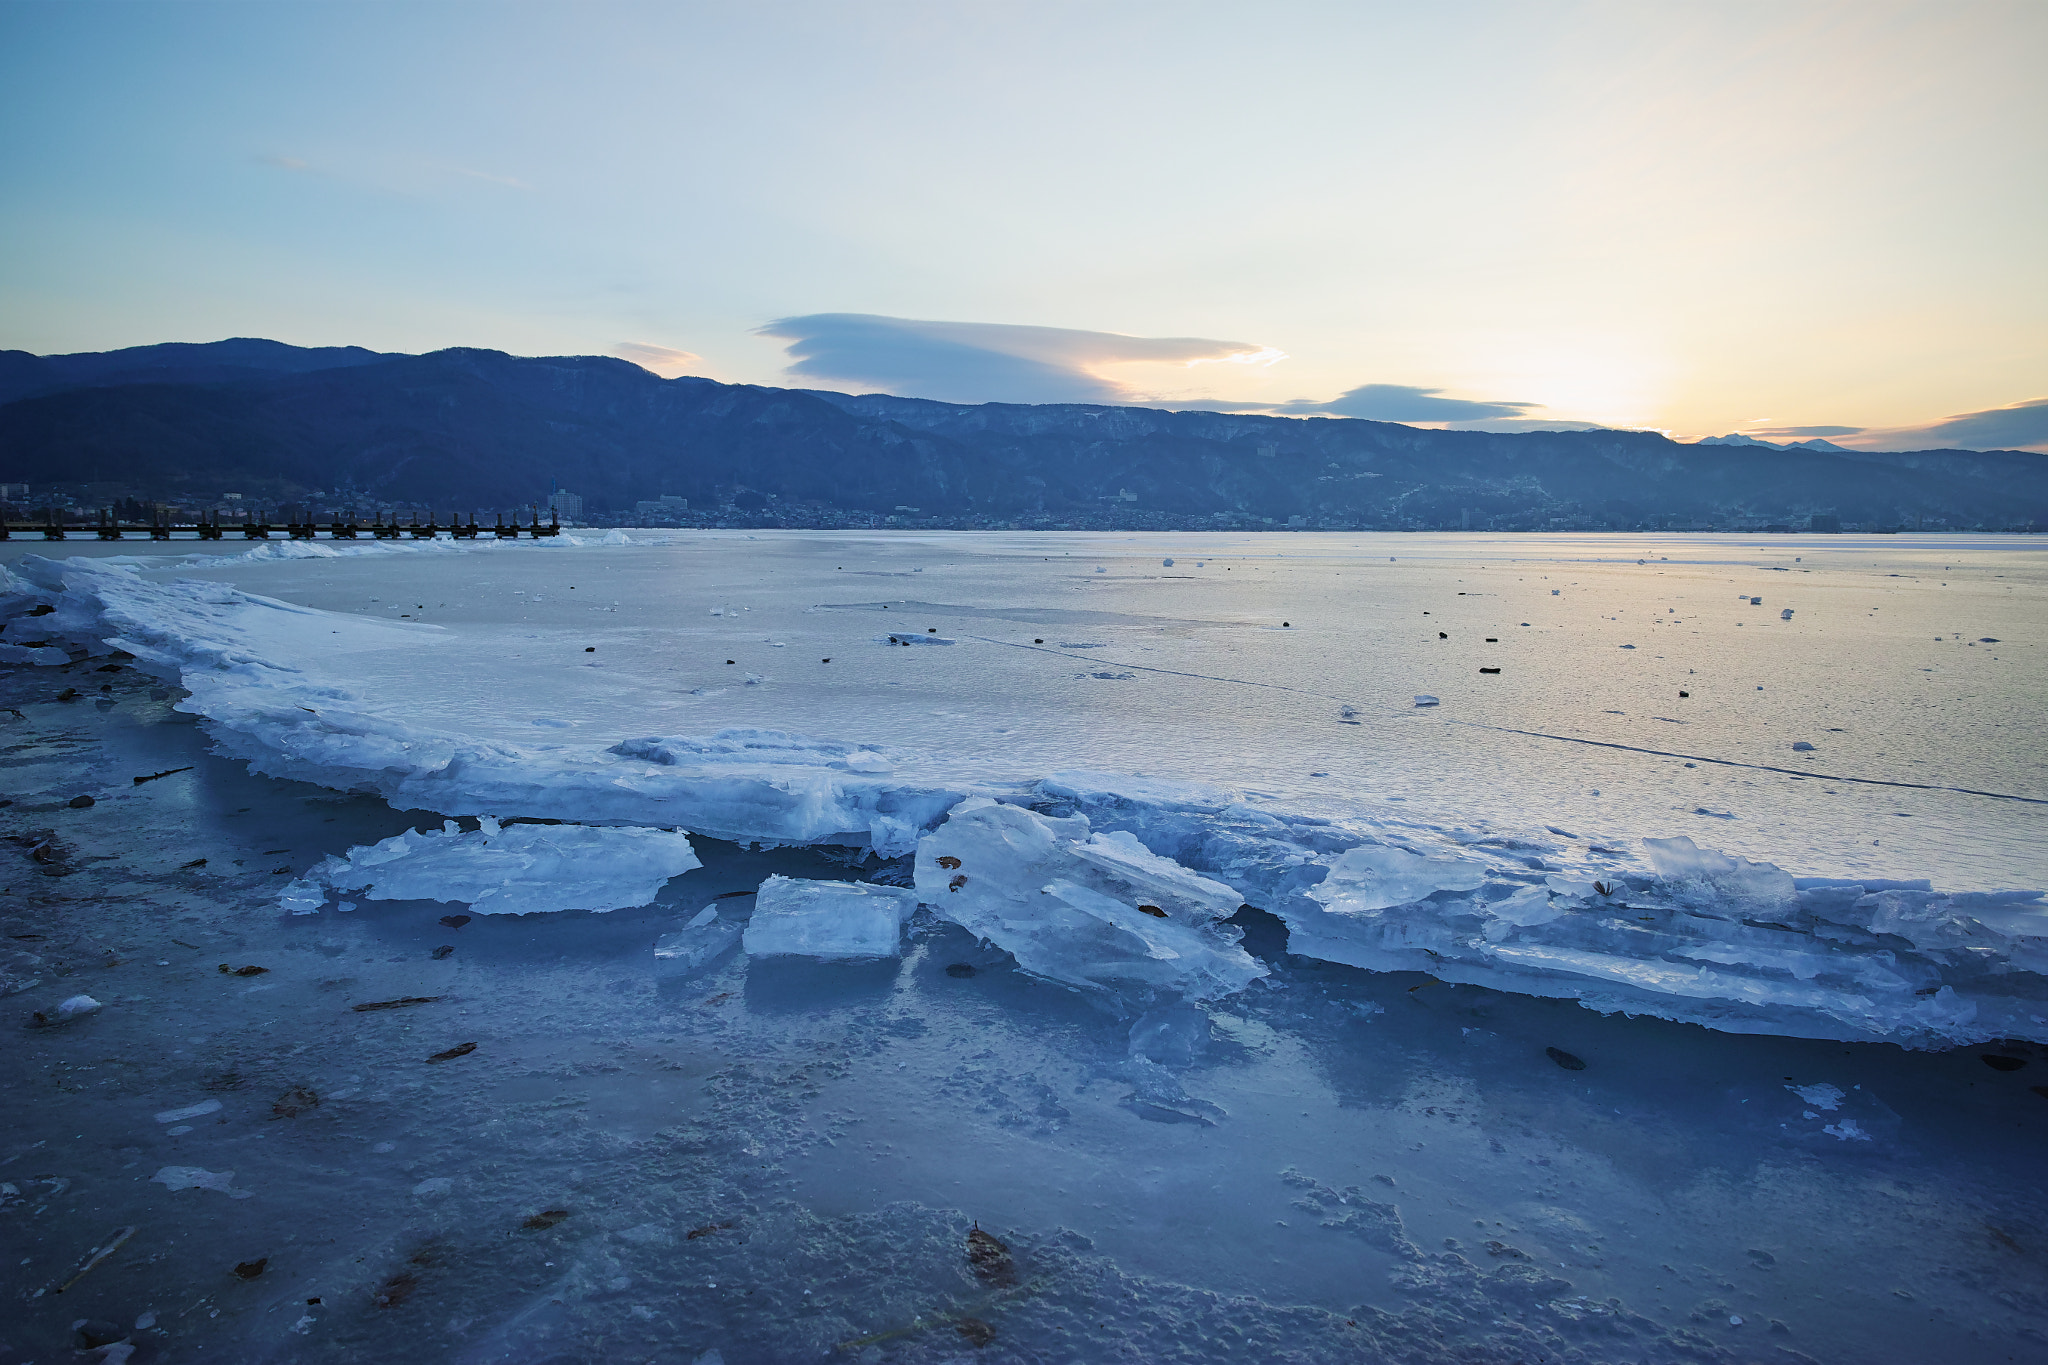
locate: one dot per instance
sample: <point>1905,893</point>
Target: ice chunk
<point>77,1006</point>
<point>176,1178</point>
<point>1173,1035</point>
<point>190,1111</point>
<point>1424,699</point>
<point>1717,876</point>
<point>1373,877</point>
<point>1119,857</point>
<point>703,940</point>
<point>1531,906</point>
<point>303,897</point>
<point>744,783</point>
<point>1083,908</point>
<point>509,869</point>
<point>1821,1096</point>
<point>828,919</point>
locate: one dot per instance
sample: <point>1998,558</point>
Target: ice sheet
<point>354,700</point>
<point>1329,1165</point>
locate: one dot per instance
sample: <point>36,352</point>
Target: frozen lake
<point>778,1158</point>
<point>1235,666</point>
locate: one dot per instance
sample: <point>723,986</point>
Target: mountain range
<point>464,429</point>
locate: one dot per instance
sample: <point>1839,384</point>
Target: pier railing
<point>106,526</point>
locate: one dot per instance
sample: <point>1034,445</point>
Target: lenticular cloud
<point>979,362</point>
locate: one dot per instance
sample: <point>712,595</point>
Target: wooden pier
<point>106,527</point>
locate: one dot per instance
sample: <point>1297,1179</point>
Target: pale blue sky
<point>1698,217</point>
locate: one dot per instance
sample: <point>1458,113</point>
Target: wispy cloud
<point>510,182</point>
<point>665,361</point>
<point>985,362</point>
<point>285,163</point>
<point>1794,433</point>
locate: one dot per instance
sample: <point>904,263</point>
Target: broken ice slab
<point>1088,909</point>
<point>1372,877</point>
<point>1706,876</point>
<point>802,918</point>
<point>1713,939</point>
<point>698,943</point>
<point>303,897</point>
<point>506,870</point>
<point>190,1111</point>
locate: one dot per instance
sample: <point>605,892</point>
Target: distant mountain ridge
<point>465,428</point>
<point>1736,438</point>
<point>171,362</point>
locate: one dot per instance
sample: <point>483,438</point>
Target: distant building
<point>565,504</point>
<point>667,505</point>
<point>13,492</point>
<point>1823,522</point>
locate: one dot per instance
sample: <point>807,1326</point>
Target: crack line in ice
<point>1148,668</point>
<point>1738,763</point>
<point>1533,734</point>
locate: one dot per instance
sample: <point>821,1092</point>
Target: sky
<point>1787,219</point>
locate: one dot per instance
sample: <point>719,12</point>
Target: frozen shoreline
<point>1683,934</point>
<point>514,1122</point>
